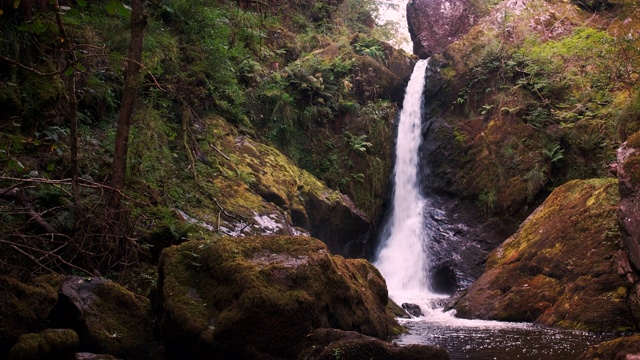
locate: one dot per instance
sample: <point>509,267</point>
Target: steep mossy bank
<point>534,95</point>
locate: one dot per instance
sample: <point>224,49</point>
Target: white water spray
<point>403,259</point>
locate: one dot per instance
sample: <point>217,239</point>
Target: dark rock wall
<point>435,24</point>
<point>628,172</point>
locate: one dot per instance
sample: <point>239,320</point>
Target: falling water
<point>402,259</point>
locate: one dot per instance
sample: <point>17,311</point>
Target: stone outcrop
<point>52,317</point>
<point>259,297</point>
<point>561,267</point>
<point>627,348</point>
<point>628,171</point>
<point>108,318</point>
<point>24,308</point>
<point>330,344</point>
<point>50,344</point>
<point>272,195</point>
<point>435,24</point>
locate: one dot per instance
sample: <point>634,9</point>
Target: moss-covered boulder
<point>625,348</point>
<point>261,296</point>
<point>330,344</point>
<point>560,268</point>
<point>108,318</point>
<point>50,344</point>
<point>24,308</point>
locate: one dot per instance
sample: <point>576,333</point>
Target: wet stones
<point>412,309</point>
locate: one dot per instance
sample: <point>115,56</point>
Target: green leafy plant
<point>358,142</point>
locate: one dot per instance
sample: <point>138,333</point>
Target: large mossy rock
<point>560,268</point>
<point>50,344</point>
<point>108,318</point>
<point>255,297</point>
<point>267,194</point>
<point>24,308</point>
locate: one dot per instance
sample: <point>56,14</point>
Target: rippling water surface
<point>486,340</point>
<point>521,341</point>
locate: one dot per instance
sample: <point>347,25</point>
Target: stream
<point>481,340</point>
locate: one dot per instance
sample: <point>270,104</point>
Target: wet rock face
<point>628,173</point>
<point>256,297</point>
<point>435,24</point>
<point>561,267</point>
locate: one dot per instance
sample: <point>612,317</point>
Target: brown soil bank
<point>561,266</point>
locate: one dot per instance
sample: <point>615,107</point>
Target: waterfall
<point>402,257</point>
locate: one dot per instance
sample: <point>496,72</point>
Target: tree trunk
<point>132,69</point>
<point>70,85</point>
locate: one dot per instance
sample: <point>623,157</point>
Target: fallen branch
<point>219,152</point>
<point>235,217</point>
<point>82,182</point>
<point>17,194</point>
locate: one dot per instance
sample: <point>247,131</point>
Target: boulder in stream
<point>330,344</point>
<point>561,267</point>
<point>259,297</point>
<point>413,309</point>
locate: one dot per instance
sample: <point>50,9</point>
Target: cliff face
<point>435,24</point>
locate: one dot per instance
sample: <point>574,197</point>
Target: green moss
<point>228,290</point>
<point>26,308</point>
<point>558,268</point>
<point>47,345</point>
<point>634,141</point>
<point>632,166</point>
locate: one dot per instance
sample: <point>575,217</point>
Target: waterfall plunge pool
<point>488,340</point>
